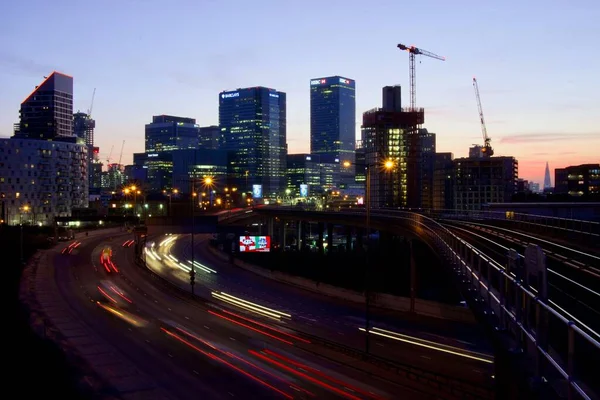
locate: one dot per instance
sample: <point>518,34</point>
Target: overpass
<point>537,340</point>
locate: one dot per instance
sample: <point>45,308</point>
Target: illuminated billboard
<point>303,190</point>
<point>255,244</point>
<point>257,191</point>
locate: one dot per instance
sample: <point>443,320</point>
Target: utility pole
<point>192,201</point>
<point>367,293</point>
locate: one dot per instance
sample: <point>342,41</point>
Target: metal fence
<point>518,309</point>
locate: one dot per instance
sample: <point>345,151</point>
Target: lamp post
<point>387,165</point>
<point>192,201</point>
<point>25,208</point>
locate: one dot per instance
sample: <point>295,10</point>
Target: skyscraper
<point>210,137</point>
<point>47,113</point>
<point>253,124</point>
<point>547,179</point>
<point>167,132</point>
<point>333,118</point>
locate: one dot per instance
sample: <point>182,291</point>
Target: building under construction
<point>388,134</point>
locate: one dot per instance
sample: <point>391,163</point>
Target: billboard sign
<point>257,192</point>
<point>255,244</point>
<point>303,190</point>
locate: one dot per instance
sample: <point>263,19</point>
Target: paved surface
<point>336,320</point>
<point>151,344</point>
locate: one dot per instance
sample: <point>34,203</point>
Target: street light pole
<point>367,295</point>
<point>193,271</point>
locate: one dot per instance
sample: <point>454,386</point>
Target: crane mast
<point>121,155</point>
<point>92,104</point>
<point>487,146</point>
<point>414,51</point>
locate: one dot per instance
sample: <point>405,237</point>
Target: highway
<point>203,349</point>
<point>435,345</point>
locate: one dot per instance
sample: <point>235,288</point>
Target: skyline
<point>522,86</point>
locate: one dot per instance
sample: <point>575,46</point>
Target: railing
<point>515,309</point>
<point>553,342</point>
<point>564,225</point>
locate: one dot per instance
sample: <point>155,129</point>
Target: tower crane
<point>121,155</point>
<point>414,51</point>
<point>487,147</point>
<point>89,113</point>
<point>109,155</point>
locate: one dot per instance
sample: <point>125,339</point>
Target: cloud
<point>519,138</point>
<point>16,63</point>
<point>562,153</point>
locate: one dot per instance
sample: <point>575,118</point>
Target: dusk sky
<point>537,64</point>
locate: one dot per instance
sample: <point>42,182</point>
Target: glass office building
<point>47,113</point>
<point>167,132</point>
<point>253,124</point>
<point>333,119</point>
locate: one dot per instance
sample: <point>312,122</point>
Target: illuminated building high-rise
<point>333,123</point>
<point>47,113</point>
<point>253,124</point>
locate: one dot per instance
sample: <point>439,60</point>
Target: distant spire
<point>547,179</point>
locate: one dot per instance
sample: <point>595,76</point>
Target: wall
<point>382,300</point>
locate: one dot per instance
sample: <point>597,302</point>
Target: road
<point>196,350</point>
<point>443,347</point>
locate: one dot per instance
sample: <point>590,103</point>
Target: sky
<point>536,63</point>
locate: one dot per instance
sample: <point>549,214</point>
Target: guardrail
<point>515,309</point>
<point>446,384</point>
<point>590,229</point>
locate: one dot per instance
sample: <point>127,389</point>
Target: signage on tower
<point>318,81</point>
<point>229,95</point>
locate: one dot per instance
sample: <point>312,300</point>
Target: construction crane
<point>109,155</point>
<point>121,155</point>
<point>414,51</point>
<point>89,113</point>
<point>487,147</point>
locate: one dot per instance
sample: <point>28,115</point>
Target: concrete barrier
<point>381,300</point>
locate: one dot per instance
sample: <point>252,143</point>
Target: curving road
<point>156,342</point>
<point>451,349</point>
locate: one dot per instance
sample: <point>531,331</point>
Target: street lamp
<point>25,208</point>
<point>209,182</point>
<point>387,165</point>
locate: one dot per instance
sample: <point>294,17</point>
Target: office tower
<point>307,169</point>
<point>191,167</point>
<point>333,123</point>
<point>480,181</point>
<point>83,127</point>
<point>253,124</point>
<point>167,132</point>
<point>210,137</point>
<point>547,179</point>
<point>47,113</point>
<point>443,181</point>
<point>427,152</point>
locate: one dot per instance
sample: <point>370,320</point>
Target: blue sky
<point>536,62</point>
